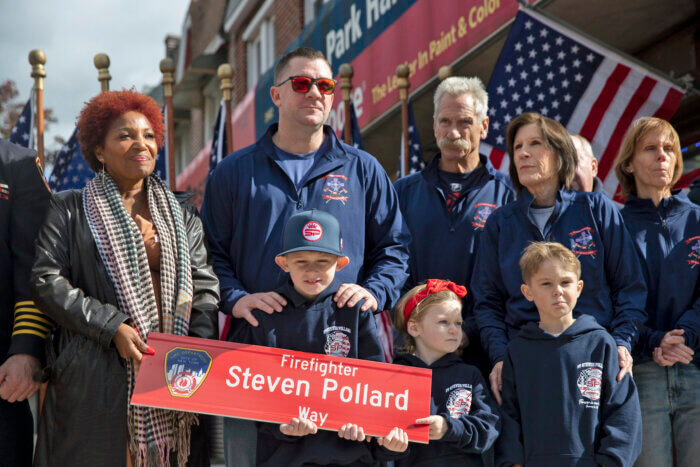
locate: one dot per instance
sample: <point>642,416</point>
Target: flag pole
<point>445,72</point>
<point>167,67</point>
<point>225,73</point>
<point>37,58</point>
<point>346,73</point>
<point>101,62</point>
<point>403,85</point>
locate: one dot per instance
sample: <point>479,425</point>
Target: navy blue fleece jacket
<point>667,240</point>
<point>592,228</point>
<point>443,243</point>
<point>249,198</point>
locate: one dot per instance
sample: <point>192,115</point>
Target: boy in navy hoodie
<point>562,403</point>
<point>312,322</point>
<point>464,420</point>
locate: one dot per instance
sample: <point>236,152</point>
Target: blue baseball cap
<point>312,230</point>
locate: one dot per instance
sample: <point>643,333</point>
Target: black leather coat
<point>85,411</point>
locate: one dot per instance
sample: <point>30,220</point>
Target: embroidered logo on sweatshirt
<point>334,189</point>
<point>459,402</point>
<point>337,341</point>
<point>589,382</point>
<point>483,211</point>
<point>582,242</point>
<point>694,255</point>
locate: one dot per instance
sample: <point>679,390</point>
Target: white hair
<point>586,145</point>
<point>456,86</point>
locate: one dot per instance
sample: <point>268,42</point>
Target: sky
<point>71,32</point>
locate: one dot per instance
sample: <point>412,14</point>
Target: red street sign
<point>274,385</point>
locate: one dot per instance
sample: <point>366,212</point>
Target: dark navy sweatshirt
<point>667,240</point>
<point>460,395</point>
<point>443,243</point>
<point>589,225</point>
<point>318,327</point>
<point>562,404</point>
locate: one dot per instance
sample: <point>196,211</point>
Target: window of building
<point>311,9</point>
<point>259,37</point>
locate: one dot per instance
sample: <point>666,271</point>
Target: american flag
<point>354,128</point>
<point>592,91</point>
<point>70,172</point>
<point>218,143</point>
<point>23,131</point>
<point>415,151</point>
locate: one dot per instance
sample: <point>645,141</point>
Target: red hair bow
<point>433,286</point>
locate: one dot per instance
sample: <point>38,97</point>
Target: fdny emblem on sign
<point>483,211</point>
<point>334,188</point>
<point>337,341</point>
<point>694,255</point>
<point>459,402</point>
<point>589,381</point>
<point>312,231</point>
<point>186,370</point>
<point>582,242</point>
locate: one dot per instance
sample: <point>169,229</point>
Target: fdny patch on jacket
<point>186,370</point>
<point>337,341</point>
<point>483,211</point>
<point>4,191</point>
<point>694,254</point>
<point>335,188</point>
<point>582,242</point>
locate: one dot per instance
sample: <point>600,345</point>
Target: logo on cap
<point>312,231</point>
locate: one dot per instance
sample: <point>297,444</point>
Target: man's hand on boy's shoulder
<point>269,302</point>
<point>350,294</point>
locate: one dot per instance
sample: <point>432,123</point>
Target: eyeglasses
<point>303,84</point>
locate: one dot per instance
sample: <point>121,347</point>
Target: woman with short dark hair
<point>665,227</point>
<point>120,259</point>
<point>542,167</point>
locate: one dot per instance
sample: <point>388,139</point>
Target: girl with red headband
<point>464,420</point>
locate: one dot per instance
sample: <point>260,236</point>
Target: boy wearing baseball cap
<point>562,403</point>
<point>312,252</point>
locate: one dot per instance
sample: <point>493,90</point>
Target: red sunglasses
<point>303,84</point>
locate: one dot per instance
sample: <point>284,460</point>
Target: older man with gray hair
<point>586,167</point>
<point>448,202</point>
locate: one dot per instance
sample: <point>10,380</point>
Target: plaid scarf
<point>153,433</point>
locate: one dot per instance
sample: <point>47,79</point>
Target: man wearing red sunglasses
<point>300,164</point>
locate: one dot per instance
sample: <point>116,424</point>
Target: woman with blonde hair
<point>665,227</point>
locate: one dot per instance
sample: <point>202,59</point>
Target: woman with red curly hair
<point>114,262</point>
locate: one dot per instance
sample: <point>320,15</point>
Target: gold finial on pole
<point>101,62</point>
<point>37,58</point>
<point>167,67</point>
<point>225,74</point>
<point>346,74</point>
<point>402,83</point>
<point>445,72</point>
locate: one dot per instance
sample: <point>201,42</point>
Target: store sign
<point>375,36</point>
<point>275,385</point>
